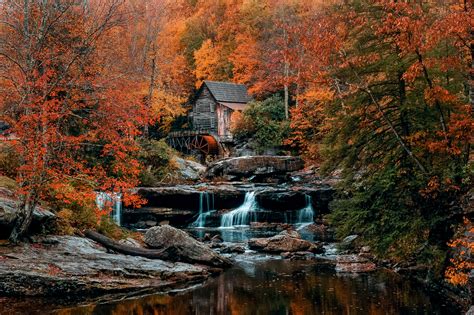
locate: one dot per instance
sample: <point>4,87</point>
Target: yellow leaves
<point>209,62</point>
<point>318,94</point>
<point>245,59</point>
<point>166,106</point>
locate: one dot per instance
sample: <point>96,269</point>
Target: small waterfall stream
<point>103,199</point>
<point>206,207</point>
<point>306,215</point>
<point>243,214</point>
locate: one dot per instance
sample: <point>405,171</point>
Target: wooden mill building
<point>211,117</point>
<point>214,104</point>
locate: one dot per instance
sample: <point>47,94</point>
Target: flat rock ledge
<point>71,267</point>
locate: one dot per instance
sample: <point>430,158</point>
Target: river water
<point>263,284</point>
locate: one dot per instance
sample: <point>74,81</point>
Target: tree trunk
<point>286,89</point>
<point>149,100</point>
<point>164,254</point>
<point>402,97</point>
<point>25,217</point>
<point>471,95</point>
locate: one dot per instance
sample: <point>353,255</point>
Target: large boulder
<point>284,242</point>
<point>261,166</point>
<point>68,267</point>
<point>146,217</point>
<point>9,214</point>
<point>281,199</point>
<point>187,169</point>
<point>187,197</point>
<point>184,247</point>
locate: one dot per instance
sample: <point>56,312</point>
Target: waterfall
<point>114,200</point>
<point>306,215</point>
<point>243,214</point>
<point>206,207</point>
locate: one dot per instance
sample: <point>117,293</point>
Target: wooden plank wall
<point>204,112</point>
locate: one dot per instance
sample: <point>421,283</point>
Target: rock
<point>187,169</point>
<point>75,268</point>
<point>186,197</point>
<point>233,248</point>
<point>348,241</point>
<point>216,245</point>
<point>283,243</point>
<point>207,237</point>
<point>179,204</point>
<point>258,243</point>
<point>216,239</point>
<point>261,166</point>
<point>354,263</point>
<point>278,198</point>
<point>298,255</point>
<point>470,311</point>
<point>290,233</point>
<point>130,242</point>
<point>365,249</point>
<point>270,226</point>
<point>317,248</point>
<point>150,223</point>
<point>186,248</point>
<point>147,217</point>
<point>321,232</point>
<point>9,211</point>
<point>281,199</point>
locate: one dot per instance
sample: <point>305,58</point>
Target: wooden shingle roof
<point>228,92</point>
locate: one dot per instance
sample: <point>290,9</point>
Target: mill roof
<point>228,92</point>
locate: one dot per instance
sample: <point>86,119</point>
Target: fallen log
<point>173,253</point>
<point>163,254</point>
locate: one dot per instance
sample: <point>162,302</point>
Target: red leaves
<point>439,94</point>
<point>74,115</point>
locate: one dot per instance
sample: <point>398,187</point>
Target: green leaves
<point>265,123</point>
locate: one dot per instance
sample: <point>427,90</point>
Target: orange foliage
<point>71,102</point>
<point>462,263</point>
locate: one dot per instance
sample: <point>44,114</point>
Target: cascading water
<point>103,199</point>
<point>243,214</point>
<point>306,215</point>
<point>206,207</point>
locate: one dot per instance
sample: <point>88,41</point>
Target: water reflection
<point>282,287</point>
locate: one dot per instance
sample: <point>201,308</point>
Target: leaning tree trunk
<point>24,219</point>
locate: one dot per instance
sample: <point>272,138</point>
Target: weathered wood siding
<point>224,121</point>
<point>204,112</point>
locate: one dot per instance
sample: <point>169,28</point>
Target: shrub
<point>264,122</point>
<point>156,156</point>
<point>9,160</point>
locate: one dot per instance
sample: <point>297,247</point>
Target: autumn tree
<point>75,121</point>
<point>398,126</point>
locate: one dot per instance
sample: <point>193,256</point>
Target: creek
<point>258,283</point>
<point>264,284</point>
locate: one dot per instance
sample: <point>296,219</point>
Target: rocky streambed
<point>72,267</point>
<point>273,272</point>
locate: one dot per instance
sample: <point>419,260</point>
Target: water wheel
<point>205,144</point>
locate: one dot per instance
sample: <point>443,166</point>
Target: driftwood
<point>164,254</point>
<point>182,253</point>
